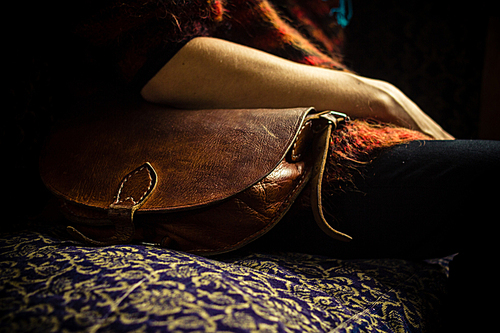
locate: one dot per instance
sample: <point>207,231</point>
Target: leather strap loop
<point>133,191</point>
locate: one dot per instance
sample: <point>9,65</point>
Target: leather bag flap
<point>200,156</point>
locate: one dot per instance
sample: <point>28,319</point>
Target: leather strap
<point>331,121</point>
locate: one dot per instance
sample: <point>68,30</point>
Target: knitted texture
<point>298,30</point>
<point>356,145</point>
<point>137,28</point>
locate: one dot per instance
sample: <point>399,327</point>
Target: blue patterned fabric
<point>50,284</point>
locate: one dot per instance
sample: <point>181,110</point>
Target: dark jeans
<point>424,199</point>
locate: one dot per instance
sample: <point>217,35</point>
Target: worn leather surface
<point>201,156</point>
<point>232,223</point>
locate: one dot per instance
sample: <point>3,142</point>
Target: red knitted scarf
<point>298,30</point>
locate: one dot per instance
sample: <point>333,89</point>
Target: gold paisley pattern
<point>49,284</point>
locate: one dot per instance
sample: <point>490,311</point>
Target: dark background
<point>433,51</point>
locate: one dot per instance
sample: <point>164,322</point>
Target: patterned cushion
<point>52,284</point>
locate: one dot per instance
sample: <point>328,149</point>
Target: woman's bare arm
<point>212,73</point>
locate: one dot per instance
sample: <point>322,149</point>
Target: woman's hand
<point>391,105</point>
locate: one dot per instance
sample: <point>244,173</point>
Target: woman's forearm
<point>212,73</point>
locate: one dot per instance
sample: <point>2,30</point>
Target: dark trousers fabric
<point>421,200</point>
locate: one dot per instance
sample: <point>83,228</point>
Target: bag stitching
<point>118,200</point>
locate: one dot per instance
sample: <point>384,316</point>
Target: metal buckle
<point>336,118</point>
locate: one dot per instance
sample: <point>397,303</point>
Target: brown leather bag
<point>200,181</point>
